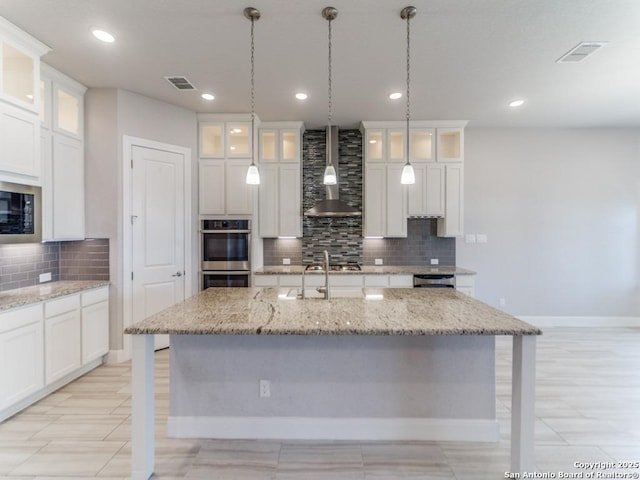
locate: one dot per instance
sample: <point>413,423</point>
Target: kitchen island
<point>383,364</point>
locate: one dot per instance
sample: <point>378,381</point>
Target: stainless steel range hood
<point>332,206</point>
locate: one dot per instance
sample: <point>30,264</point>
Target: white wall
<point>110,114</point>
<point>561,209</point>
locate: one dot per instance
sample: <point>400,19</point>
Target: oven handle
<point>225,231</point>
<point>225,272</point>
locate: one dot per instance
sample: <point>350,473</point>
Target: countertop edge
<point>367,270</point>
<point>22,297</point>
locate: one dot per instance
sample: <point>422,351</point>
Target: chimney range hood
<point>332,206</point>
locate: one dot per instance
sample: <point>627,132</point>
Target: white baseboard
<point>308,428</point>
<point>117,356</point>
<point>542,321</point>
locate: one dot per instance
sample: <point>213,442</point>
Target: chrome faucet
<point>327,267</point>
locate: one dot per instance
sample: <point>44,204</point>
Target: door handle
<point>177,274</point>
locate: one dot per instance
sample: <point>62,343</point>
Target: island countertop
<point>389,311</point>
<point>367,270</point>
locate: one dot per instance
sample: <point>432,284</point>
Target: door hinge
<point>131,163</point>
<point>131,275</point>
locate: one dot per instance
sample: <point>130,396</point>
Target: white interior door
<point>158,231</point>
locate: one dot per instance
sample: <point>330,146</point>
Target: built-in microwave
<point>20,213</point>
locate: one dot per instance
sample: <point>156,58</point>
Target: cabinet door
<point>375,200</point>
<point>95,331</point>
<point>268,149</point>
<point>19,142</point>
<point>67,188</point>
<point>422,144</point>
<point>290,145</point>
<point>20,72</point>
<point>238,140</point>
<point>211,137</point>
<point>212,192</point>
<point>396,145</point>
<point>417,193</point>
<point>434,198</point>
<point>375,146</point>
<point>396,203</point>
<point>289,202</point>
<point>46,153</point>
<point>21,356</point>
<point>238,193</point>
<point>452,225</point>
<point>450,144</point>
<point>62,345</point>
<point>68,111</point>
<point>268,204</point>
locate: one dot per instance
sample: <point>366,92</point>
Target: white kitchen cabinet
<point>465,284</point>
<point>21,354</point>
<point>211,139</point>
<point>238,194</point>
<point>401,281</point>
<point>95,324</point>
<point>220,136</point>
<point>62,335</point>
<point>280,203</point>
<point>422,144</point>
<point>212,187</point>
<point>452,225</point>
<point>385,212</point>
<point>62,149</point>
<point>450,144</point>
<point>20,160</point>
<point>427,195</point>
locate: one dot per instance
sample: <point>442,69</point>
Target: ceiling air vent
<point>181,83</point>
<point>580,52</point>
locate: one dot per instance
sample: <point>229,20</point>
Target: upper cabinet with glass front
<point>20,66</point>
<point>225,136</point>
<point>280,142</point>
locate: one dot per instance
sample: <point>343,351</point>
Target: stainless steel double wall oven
<point>225,253</point>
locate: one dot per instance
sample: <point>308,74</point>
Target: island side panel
<point>443,381</point>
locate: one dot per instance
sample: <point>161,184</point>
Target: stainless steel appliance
<point>225,258</point>
<point>434,280</point>
<point>20,213</point>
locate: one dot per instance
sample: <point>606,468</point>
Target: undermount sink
<point>335,293</point>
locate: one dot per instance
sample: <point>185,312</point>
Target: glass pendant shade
<point>330,177</point>
<point>408,176</point>
<point>253,176</point>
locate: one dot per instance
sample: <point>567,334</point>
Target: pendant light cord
<point>329,139</point>
<point>408,80</point>
<point>253,94</point>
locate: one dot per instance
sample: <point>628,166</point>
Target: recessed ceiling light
<point>301,96</point>
<point>103,36</point>
<point>207,96</point>
<point>516,103</point>
<point>395,95</point>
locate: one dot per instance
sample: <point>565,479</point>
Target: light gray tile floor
<point>587,409</point>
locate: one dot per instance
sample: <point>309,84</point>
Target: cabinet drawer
<point>464,280</point>
<point>95,296</point>
<point>376,281</point>
<point>316,280</point>
<point>265,280</point>
<point>290,280</point>
<point>346,280</point>
<point>401,281</point>
<point>20,317</point>
<point>61,305</point>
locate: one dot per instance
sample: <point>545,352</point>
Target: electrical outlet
<point>470,238</point>
<point>435,261</point>
<point>503,302</point>
<point>481,238</point>
<point>45,277</point>
<point>286,261</point>
<point>265,388</point>
<point>378,261</point>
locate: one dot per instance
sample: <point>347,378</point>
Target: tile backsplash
<point>342,237</point>
<point>22,264</point>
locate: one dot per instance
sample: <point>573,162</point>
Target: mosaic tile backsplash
<point>342,237</point>
<point>22,264</point>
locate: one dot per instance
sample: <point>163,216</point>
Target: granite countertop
<point>366,270</point>
<point>45,291</point>
<point>396,311</point>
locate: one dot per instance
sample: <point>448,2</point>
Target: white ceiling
<point>469,57</point>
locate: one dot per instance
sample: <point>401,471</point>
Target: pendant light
<point>253,175</point>
<point>408,176</point>
<point>330,177</point>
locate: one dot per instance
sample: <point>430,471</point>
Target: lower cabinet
<point>466,284</point>
<point>335,280</point>
<point>48,344</point>
<point>61,337</point>
<point>21,354</point>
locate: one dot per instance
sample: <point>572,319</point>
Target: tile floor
<point>588,410</point>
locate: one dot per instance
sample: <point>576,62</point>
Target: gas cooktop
<point>346,267</point>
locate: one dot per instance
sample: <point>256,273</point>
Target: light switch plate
<point>470,238</point>
<point>435,261</point>
<point>481,238</point>
<point>378,261</point>
<point>45,277</point>
<point>286,261</point>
